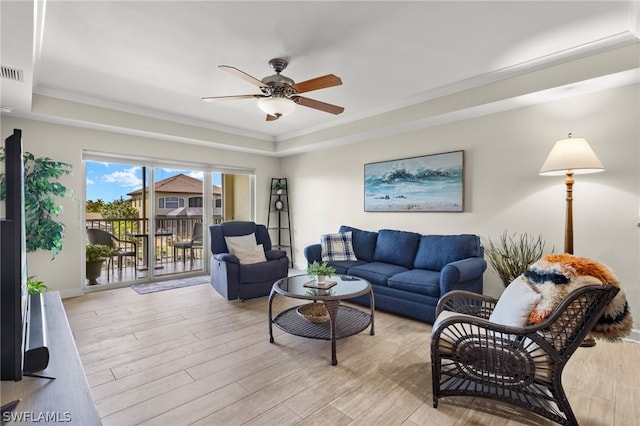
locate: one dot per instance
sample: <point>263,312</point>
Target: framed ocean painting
<point>431,183</point>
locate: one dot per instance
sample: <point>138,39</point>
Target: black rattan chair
<point>471,356</point>
<point>195,243</point>
<point>121,248</point>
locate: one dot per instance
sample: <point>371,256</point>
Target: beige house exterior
<point>177,196</point>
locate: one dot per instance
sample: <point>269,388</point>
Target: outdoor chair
<point>121,248</point>
<point>192,244</point>
<point>471,356</point>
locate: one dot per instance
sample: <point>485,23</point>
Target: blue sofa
<point>410,272</point>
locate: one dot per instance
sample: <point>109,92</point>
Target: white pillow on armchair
<point>515,304</point>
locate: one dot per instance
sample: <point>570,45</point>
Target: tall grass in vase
<point>512,254</point>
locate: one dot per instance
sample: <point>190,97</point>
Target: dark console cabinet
<point>66,399</point>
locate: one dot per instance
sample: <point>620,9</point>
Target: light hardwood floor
<point>186,356</point>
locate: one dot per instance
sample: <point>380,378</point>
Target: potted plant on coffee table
<point>95,255</point>
<point>320,271</point>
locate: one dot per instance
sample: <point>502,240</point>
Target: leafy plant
<point>513,254</point>
<point>317,268</point>
<point>121,209</point>
<point>35,286</point>
<point>279,185</point>
<point>95,252</point>
<point>41,186</point>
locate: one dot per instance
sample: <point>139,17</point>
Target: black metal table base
<point>346,322</point>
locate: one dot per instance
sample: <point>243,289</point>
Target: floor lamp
<point>568,157</point>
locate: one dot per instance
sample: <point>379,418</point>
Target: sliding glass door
<point>178,216</point>
<point>159,215</point>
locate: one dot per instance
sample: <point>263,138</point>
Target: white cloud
<point>126,178</point>
<point>90,181</point>
<point>196,175</point>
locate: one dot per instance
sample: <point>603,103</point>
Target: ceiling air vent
<point>11,73</point>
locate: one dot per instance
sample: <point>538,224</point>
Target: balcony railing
<point>168,231</point>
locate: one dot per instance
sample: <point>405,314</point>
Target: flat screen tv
<point>14,297</point>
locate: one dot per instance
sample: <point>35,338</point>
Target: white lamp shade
<point>571,155</point>
<point>276,106</point>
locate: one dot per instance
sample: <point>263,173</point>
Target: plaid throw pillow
<point>337,247</point>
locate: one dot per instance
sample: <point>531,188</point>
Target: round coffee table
<point>344,321</point>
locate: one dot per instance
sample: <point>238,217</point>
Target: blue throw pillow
<point>337,247</point>
<point>396,247</point>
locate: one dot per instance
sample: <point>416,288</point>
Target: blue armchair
<point>236,280</point>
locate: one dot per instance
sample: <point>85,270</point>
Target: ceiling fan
<point>280,94</point>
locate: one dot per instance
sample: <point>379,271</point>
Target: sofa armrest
<point>461,271</point>
<point>313,253</point>
<point>226,257</point>
<point>274,254</point>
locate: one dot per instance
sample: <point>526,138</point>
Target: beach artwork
<point>431,183</point>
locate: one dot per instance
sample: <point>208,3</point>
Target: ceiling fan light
<point>276,106</point>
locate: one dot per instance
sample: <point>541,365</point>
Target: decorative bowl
<point>314,312</point>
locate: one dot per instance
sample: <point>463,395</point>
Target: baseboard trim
<point>634,336</point>
<point>75,292</point>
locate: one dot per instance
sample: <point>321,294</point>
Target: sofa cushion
<point>337,247</point>
<point>397,247</point>
<point>377,273</point>
<point>342,267</point>
<point>260,272</point>
<point>417,281</point>
<point>435,251</point>
<point>364,242</point>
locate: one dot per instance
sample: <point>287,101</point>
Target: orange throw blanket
<point>556,275</point>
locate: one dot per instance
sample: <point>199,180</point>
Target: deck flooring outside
<point>166,269</point>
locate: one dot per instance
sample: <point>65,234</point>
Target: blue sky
<point>110,181</point>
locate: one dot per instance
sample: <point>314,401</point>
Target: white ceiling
<point>158,58</point>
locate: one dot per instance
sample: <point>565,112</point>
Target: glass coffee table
<point>344,321</point>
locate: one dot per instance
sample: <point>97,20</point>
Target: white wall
<point>503,155</point>
<point>63,143</point>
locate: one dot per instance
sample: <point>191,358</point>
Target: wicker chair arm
<point>466,302</point>
<point>484,326</point>
<point>125,244</point>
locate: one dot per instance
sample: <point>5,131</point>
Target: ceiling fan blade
<point>272,117</point>
<point>243,75</point>
<point>226,98</point>
<point>325,81</point>
<point>322,106</point>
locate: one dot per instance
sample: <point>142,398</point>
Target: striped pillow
<point>337,247</point>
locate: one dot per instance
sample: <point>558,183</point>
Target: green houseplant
<point>279,187</point>
<point>41,187</point>
<point>320,270</point>
<point>36,286</point>
<point>95,255</point>
<point>512,254</point>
